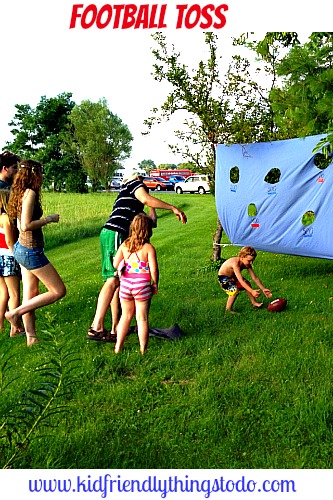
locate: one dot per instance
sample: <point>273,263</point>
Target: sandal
<point>94,335</point>
<point>109,337</point>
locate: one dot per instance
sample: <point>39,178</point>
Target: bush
<point>76,182</point>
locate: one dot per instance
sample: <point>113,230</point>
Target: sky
<point>40,56</point>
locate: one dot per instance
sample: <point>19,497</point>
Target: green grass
<point>251,390</point>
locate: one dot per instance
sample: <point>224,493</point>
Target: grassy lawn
<point>251,390</point>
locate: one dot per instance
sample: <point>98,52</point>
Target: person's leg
<point>229,286</point>
<point>56,289</point>
<point>103,303</point>
<point>115,311</point>
<point>250,296</point>
<point>253,300</point>
<point>13,286</point>
<point>142,311</point>
<point>127,313</point>
<point>109,244</point>
<point>29,291</point>
<point>4,297</point>
<point>230,302</point>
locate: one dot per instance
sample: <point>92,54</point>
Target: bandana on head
<point>129,174</point>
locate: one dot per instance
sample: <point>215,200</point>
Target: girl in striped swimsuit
<point>139,280</point>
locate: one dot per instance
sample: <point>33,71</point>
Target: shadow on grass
<point>306,267</point>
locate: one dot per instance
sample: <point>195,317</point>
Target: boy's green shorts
<point>110,241</point>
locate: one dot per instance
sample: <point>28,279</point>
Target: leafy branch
<point>53,381</point>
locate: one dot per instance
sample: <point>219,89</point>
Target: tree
<point>25,124</point>
<point>147,165</point>
<point>98,138</point>
<point>167,166</point>
<point>187,165</point>
<point>232,109</point>
<point>76,182</point>
<point>38,135</point>
<point>303,104</point>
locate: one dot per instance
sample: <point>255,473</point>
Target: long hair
<point>4,197</point>
<point>141,229</point>
<point>27,177</point>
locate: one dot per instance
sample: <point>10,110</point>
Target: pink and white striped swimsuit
<point>135,280</point>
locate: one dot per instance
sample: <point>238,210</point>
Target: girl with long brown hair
<point>139,280</point>
<point>25,206</point>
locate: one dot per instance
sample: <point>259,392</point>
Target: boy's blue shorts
<point>229,285</point>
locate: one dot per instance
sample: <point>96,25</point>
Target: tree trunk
<point>217,240</point>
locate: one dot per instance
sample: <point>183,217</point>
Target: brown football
<point>277,305</point>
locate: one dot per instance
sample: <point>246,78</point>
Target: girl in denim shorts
<point>25,206</point>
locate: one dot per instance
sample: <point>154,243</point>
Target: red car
<point>158,183</point>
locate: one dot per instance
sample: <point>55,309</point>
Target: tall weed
<point>39,406</point>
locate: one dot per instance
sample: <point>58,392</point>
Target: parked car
<point>115,183</point>
<point>176,178</point>
<point>158,183</point>
<point>97,186</point>
<point>194,184</point>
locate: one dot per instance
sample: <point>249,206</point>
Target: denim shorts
<point>30,258</point>
<point>9,266</point>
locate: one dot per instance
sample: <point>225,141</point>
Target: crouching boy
<point>232,282</point>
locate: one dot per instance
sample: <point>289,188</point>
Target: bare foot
<point>117,349</point>
<point>14,319</point>
<point>31,340</point>
<point>229,311</point>
<point>258,304</point>
<point>16,333</point>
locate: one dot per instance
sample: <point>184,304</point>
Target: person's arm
<point>152,202</point>
<point>153,216</point>
<point>118,257</point>
<point>257,281</point>
<point>27,223</point>
<point>9,231</point>
<point>153,266</point>
<point>238,274</point>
